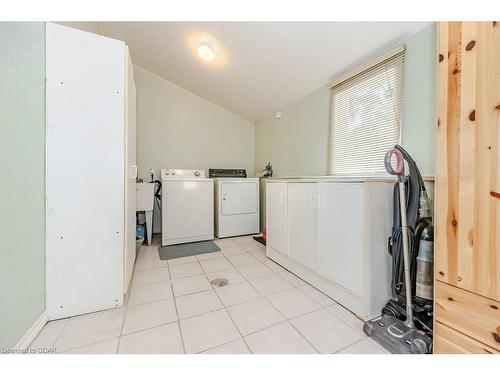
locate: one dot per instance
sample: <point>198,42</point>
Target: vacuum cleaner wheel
<point>392,309</point>
<point>419,346</point>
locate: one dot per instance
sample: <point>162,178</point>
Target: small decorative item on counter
<point>267,172</point>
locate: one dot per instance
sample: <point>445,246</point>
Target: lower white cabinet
<point>333,234</point>
<point>276,217</point>
<point>302,223</point>
<point>339,234</point>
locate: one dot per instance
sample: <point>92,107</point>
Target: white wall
<point>178,129</point>
<point>90,26</point>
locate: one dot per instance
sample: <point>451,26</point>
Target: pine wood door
<point>467,195</point>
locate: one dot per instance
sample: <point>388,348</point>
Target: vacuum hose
<point>418,216</point>
<point>406,255</point>
<point>398,170</point>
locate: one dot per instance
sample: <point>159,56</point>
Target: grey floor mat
<point>187,249</point>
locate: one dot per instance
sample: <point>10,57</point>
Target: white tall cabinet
<point>333,234</point>
<point>90,158</point>
<point>131,170</point>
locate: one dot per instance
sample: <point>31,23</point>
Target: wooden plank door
<point>467,199</point>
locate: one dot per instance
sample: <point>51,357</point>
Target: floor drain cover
<point>219,282</point>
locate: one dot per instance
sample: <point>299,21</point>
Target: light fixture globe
<point>206,51</point>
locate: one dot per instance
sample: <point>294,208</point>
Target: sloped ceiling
<point>262,67</point>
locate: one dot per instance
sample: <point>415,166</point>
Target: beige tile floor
<point>173,308</point>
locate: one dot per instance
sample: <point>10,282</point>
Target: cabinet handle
<point>312,202</point>
<point>320,201</point>
<point>282,197</point>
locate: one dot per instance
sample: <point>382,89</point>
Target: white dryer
<point>236,205</point>
<point>187,206</point>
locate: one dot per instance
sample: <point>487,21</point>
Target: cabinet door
<point>276,216</point>
<point>339,237</point>
<point>449,341</point>
<point>131,171</point>
<point>85,174</point>
<point>302,223</point>
<point>467,212</point>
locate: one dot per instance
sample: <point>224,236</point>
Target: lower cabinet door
<point>473,315</point>
<point>276,216</point>
<point>449,341</point>
<point>339,234</point>
<point>302,223</point>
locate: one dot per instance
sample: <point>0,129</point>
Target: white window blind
<point>365,118</point>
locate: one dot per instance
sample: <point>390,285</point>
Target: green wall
<point>296,144</point>
<point>22,216</point>
<point>178,129</point>
<point>420,90</point>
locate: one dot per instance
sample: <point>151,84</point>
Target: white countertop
<point>236,179</point>
<point>390,179</point>
<point>330,179</point>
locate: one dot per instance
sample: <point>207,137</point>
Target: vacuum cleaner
<point>406,323</point>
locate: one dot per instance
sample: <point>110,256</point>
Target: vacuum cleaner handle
<point>399,168</point>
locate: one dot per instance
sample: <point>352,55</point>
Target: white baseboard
<point>32,332</point>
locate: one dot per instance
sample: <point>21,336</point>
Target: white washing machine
<point>187,206</point>
<point>236,203</point>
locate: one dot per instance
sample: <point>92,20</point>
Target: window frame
<point>350,74</point>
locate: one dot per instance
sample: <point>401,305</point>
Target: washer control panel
<point>180,174</point>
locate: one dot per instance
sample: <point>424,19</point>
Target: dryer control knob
<point>197,173</point>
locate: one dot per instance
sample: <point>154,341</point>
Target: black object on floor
<point>187,249</point>
<point>260,239</point>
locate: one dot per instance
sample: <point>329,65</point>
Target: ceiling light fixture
<point>206,51</point>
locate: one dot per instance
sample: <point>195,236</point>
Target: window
<point>365,117</point>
